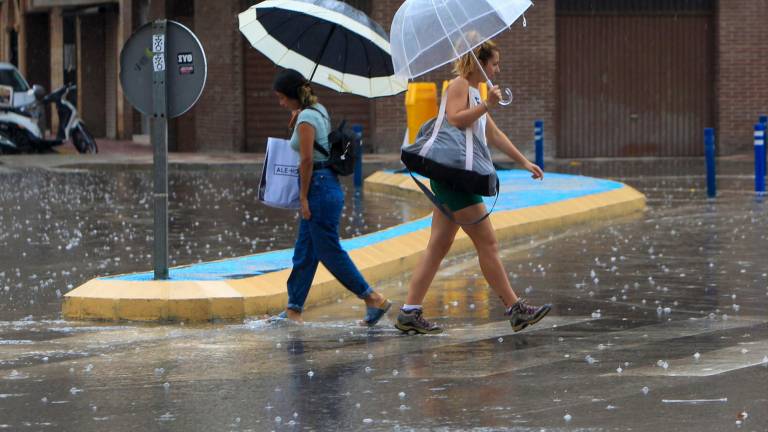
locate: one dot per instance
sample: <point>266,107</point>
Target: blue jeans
<point>318,241</point>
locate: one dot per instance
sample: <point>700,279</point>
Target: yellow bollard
<point>483,87</point>
<point>420,106</point>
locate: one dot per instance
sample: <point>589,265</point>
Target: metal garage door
<point>635,78</point>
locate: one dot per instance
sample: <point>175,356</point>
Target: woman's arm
<point>498,139</point>
<point>306,151</point>
<point>457,109</point>
<point>294,117</point>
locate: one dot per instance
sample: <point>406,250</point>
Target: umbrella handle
<point>508,97</point>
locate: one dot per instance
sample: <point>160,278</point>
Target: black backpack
<point>342,143</point>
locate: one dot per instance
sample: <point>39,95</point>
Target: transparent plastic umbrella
<point>427,34</point>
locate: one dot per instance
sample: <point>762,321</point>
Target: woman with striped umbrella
<point>335,45</point>
<point>328,42</point>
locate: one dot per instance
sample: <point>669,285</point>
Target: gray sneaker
<point>412,322</point>
<point>521,315</point>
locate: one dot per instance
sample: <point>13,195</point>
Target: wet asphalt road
<point>634,300</point>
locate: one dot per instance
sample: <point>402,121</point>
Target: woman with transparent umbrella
<point>466,109</point>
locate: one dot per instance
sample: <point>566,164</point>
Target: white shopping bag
<point>279,185</point>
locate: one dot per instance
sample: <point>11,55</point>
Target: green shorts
<point>453,199</point>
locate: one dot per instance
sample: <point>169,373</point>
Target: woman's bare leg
<point>440,240</point>
<point>483,236</point>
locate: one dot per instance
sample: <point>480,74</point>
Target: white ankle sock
<point>410,308</point>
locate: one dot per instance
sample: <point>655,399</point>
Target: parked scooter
<point>20,133</point>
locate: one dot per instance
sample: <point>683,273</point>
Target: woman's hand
<point>305,213</point>
<point>538,173</point>
<point>294,116</point>
<point>494,96</point>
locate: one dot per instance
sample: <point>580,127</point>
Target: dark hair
<point>294,86</point>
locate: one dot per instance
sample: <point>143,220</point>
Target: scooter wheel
<point>83,141</point>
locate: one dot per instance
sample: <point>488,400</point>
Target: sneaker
<point>413,322</point>
<point>282,320</point>
<point>521,314</point>
<point>279,319</point>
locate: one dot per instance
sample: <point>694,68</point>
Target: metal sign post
<point>163,70</point>
<point>159,140</point>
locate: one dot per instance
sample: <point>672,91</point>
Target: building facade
<point>616,78</point>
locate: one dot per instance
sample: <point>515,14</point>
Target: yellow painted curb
<point>196,301</point>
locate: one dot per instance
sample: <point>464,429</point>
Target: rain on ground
<point>659,319</point>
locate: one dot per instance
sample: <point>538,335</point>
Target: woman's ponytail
<point>307,96</point>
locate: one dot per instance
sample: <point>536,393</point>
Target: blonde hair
<point>307,96</point>
<point>466,64</point>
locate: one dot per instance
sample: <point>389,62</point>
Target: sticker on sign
<point>158,43</point>
<point>158,62</point>
<point>184,58</point>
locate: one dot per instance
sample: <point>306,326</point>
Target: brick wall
<point>124,109</point>
<point>742,71</point>
<point>219,113</point>
<point>92,73</point>
<point>388,114</point>
<point>527,67</point>
<point>57,58</point>
<point>111,59</point>
<point>5,27</point>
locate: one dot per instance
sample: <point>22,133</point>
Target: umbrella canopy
<point>327,41</point>
<point>427,34</point>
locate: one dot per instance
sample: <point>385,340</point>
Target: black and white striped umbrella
<point>327,41</point>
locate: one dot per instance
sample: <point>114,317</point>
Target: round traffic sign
<point>185,65</point>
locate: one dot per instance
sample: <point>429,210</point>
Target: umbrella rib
<point>301,35</point>
<point>322,50</point>
<point>287,48</point>
<point>368,62</point>
<point>346,59</point>
<point>290,48</point>
<point>402,38</point>
<point>265,14</point>
<point>464,38</point>
<point>383,59</point>
<point>462,8</point>
<point>437,14</point>
<point>461,31</point>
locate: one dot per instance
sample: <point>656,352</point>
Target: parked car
<point>26,98</point>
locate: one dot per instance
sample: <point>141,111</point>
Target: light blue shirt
<point>322,126</point>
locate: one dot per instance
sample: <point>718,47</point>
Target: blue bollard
<point>358,129</point>
<point>764,120</point>
<point>538,136</point>
<point>709,151</point>
<point>760,158</point>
